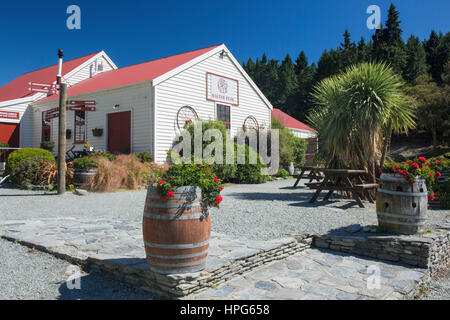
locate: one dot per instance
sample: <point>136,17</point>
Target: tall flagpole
<point>62,127</point>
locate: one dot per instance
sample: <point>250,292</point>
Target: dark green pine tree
<point>363,51</point>
<point>305,78</point>
<point>437,54</point>
<point>349,53</point>
<point>288,86</point>
<point>330,63</point>
<point>388,45</point>
<point>301,63</point>
<point>415,60</point>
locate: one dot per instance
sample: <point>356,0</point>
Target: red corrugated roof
<point>133,74</point>
<point>289,122</point>
<point>18,88</point>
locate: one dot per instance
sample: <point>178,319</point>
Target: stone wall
<point>430,250</point>
<point>179,285</point>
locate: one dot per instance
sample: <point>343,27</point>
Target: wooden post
<point>62,139</point>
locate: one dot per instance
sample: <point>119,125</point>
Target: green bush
<point>250,173</point>
<point>199,175</point>
<point>20,155</point>
<point>85,163</point>
<point>48,145</point>
<point>283,173</point>
<point>102,153</point>
<point>292,149</point>
<point>25,173</point>
<point>226,172</point>
<point>299,147</point>
<point>238,173</point>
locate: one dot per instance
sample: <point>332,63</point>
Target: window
<point>223,114</point>
<point>80,127</point>
<point>45,134</point>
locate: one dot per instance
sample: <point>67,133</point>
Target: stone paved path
<point>106,238</point>
<point>311,274</point>
<point>317,275</point>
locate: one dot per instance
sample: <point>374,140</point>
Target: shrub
<point>292,149</point>
<point>85,163</point>
<point>26,171</point>
<point>283,173</point>
<point>250,173</point>
<point>22,154</point>
<point>199,175</point>
<point>299,151</point>
<point>48,145</point>
<point>102,153</point>
<point>48,173</point>
<point>226,172</point>
<point>126,171</point>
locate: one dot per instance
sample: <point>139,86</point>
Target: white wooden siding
<point>136,98</point>
<point>88,71</point>
<point>189,88</point>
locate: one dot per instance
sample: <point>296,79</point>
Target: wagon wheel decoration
<point>251,123</point>
<point>186,115</point>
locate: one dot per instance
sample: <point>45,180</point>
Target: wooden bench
<point>314,174</point>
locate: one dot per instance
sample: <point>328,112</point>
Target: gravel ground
<point>438,288</point>
<point>259,212</point>
<point>28,275</point>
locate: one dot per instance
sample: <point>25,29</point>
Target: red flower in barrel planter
<point>422,159</point>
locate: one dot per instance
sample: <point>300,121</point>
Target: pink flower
<point>438,174</point>
<point>422,159</point>
<point>160,182</point>
<point>414,166</point>
<point>431,198</point>
<point>216,179</point>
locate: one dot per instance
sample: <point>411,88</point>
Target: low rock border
<point>177,286</point>
<point>430,250</point>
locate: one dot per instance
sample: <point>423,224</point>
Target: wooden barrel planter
<point>176,231</point>
<point>82,177</point>
<point>402,206</point>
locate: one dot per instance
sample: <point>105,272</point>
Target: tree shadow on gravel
<point>271,196</point>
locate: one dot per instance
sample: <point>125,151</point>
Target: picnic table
<point>341,180</point>
<point>314,174</point>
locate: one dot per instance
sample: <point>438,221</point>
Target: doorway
<point>119,132</point>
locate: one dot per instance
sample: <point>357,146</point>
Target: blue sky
<point>135,31</point>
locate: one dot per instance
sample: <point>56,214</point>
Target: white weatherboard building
<point>140,107</point>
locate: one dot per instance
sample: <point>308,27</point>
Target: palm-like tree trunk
<point>387,143</point>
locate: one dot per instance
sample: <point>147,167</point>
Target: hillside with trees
<point>423,66</point>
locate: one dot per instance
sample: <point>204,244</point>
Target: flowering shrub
<point>102,153</point>
<point>85,163</point>
<point>144,157</point>
<point>198,175</point>
<point>428,169</point>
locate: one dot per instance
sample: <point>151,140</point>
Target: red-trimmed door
<point>10,133</point>
<point>119,132</point>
